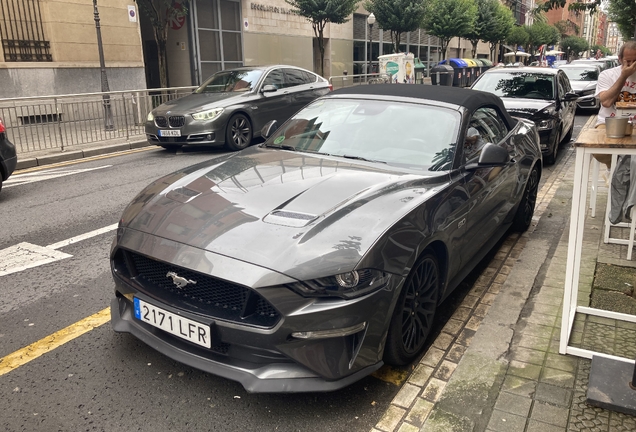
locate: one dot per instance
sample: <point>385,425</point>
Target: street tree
<point>541,34</point>
<point>160,13</point>
<point>449,18</point>
<point>623,13</point>
<point>503,24</point>
<point>397,16</point>
<point>486,21</point>
<point>573,45</point>
<point>321,12</point>
<point>518,36</point>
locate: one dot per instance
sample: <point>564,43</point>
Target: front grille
<point>176,121</point>
<point>209,296</point>
<point>161,122</point>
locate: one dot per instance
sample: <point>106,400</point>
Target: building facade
<point>614,38</point>
<point>50,47</point>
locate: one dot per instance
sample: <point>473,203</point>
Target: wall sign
<point>275,9</point>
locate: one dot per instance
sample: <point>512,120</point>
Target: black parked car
<point>307,262</point>
<point>543,95</point>
<point>8,157</point>
<point>232,106</point>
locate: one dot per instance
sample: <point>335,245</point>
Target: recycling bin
<point>459,71</point>
<point>487,64</point>
<point>442,74</point>
<point>420,71</point>
<point>481,67</point>
<point>472,70</point>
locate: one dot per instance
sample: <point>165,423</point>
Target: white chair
<point>631,225</point>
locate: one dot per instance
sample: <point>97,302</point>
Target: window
<point>295,77</point>
<point>275,78</point>
<point>22,32</point>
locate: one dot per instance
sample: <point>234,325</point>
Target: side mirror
<point>269,89</point>
<point>491,156</point>
<point>570,96</point>
<point>269,128</point>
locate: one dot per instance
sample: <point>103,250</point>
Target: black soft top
<point>462,97</point>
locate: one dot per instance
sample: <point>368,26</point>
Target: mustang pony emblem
<point>179,281</point>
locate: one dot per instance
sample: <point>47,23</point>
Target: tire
<point>414,312</point>
<point>171,147</point>
<point>551,158</point>
<point>523,217</point>
<point>238,134</point>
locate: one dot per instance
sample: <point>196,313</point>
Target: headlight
<point>208,115</point>
<point>347,285</point>
<point>587,92</point>
<point>150,117</point>
<point>545,124</point>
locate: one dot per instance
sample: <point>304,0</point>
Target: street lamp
<point>370,21</point>
<point>108,115</point>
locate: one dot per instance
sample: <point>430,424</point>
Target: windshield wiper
<point>360,158</point>
<point>282,147</point>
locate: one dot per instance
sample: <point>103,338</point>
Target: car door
<point>302,90</point>
<point>566,108</point>
<point>491,190</point>
<point>274,105</point>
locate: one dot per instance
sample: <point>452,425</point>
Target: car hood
<point>293,213</point>
<point>525,107</point>
<point>199,101</point>
<point>579,86</point>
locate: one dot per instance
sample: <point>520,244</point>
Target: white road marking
<point>26,255</point>
<point>82,237</point>
<point>37,176</point>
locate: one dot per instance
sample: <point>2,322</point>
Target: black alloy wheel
<point>414,312</point>
<point>523,217</point>
<point>239,132</point>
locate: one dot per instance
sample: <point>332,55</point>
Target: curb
<point>66,156</point>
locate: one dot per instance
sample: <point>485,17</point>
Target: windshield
<point>400,134</point>
<point>231,81</point>
<point>529,85</point>
<point>581,74</point>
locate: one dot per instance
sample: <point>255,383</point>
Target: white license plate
<point>174,324</point>
<point>170,133</point>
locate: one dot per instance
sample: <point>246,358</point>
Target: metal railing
<point>342,81</point>
<point>63,121</point>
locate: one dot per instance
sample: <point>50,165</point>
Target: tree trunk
<point>161,37</point>
<point>319,28</point>
<point>474,43</point>
<point>459,47</point>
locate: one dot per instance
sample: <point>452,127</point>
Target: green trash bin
<point>420,71</point>
<point>471,71</point>
<point>480,67</point>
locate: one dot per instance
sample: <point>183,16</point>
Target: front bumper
<point>263,357</point>
<point>588,102</point>
<point>192,132</point>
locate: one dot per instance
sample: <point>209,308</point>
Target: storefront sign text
<point>275,9</point>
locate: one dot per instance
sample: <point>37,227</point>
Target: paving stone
<point>462,314</point>
<point>443,341</point>
<point>391,418</point>
<point>406,395</point>
<point>528,355</point>
<point>514,404</point>
<point>474,322</point>
<point>533,342</point>
<point>488,298</point>
<point>557,377</point>
<point>408,428</point>
<point>546,413</point>
<point>432,357</point>
<point>524,370</point>
<point>455,353</point>
<point>420,411</point>
<point>481,310</point>
<point>501,421</point>
<point>470,301</point>
<point>465,337</point>
<point>536,426</point>
<point>421,374</point>
<point>519,386</point>
<point>539,318</point>
<point>445,370</point>
<point>434,389</point>
<point>453,326</point>
<point>563,362</point>
<point>495,288</point>
<point>553,394</point>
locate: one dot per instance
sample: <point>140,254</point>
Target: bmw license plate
<point>174,324</point>
<point>170,133</point>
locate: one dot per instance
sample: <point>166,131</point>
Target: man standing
<point>618,83</point>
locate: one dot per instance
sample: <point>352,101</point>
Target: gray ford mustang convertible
<point>307,262</point>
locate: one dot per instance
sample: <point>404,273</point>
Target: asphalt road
<point>101,380</point>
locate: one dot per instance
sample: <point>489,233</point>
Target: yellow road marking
<point>391,375</point>
<point>23,356</point>
<point>87,159</point>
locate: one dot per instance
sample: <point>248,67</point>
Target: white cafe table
<point>590,141</point>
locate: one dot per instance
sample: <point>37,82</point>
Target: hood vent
<point>289,218</point>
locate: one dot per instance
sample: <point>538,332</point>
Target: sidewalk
<point>496,364</point>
